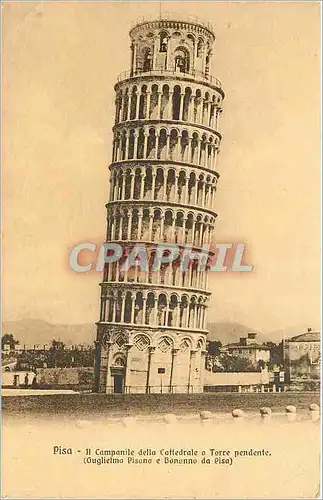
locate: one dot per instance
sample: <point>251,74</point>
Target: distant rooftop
<point>309,336</point>
<point>237,345</point>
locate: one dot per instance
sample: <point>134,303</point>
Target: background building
<point>152,330</point>
<point>302,357</point>
<point>249,349</point>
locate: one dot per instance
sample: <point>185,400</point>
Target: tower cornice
<point>144,327</point>
<point>128,286</point>
<point>163,163</point>
<point>163,75</point>
<point>169,21</point>
<point>184,125</point>
<point>159,204</point>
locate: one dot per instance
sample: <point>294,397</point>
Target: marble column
<point>159,94</point>
<point>170,106</point>
<point>191,370</point>
<point>173,374</point>
<point>140,216</point>
<point>133,305</point>
<point>151,350</point>
<point>181,107</point>
<point>122,307</point>
<point>137,104</point>
<point>148,105</point>
<point>144,307</point>
<point>132,185</point>
<point>135,147</point>
<point>153,184</point>
<point>127,382</point>
<point>108,383</point>
<point>146,134</point>
<point>202,369</point>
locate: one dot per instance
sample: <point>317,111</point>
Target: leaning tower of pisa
<point>151,336</point>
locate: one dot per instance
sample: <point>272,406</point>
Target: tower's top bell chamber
<point>172,46</point>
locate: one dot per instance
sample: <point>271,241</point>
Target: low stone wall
<point>213,379</point>
<point>9,379</point>
<point>66,377</point>
<point>80,378</point>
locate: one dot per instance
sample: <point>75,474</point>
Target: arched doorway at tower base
<point>118,375</point>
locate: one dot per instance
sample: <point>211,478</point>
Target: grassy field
<point>92,405</point>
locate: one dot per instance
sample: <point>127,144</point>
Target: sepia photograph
<point>161,249</point>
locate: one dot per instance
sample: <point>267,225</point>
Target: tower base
<point>146,360</point>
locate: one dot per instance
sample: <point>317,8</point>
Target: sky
<point>60,64</point>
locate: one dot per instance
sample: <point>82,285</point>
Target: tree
<point>276,353</point>
<point>60,357</point>
<point>214,347</point>
<point>57,355</point>
<point>8,338</point>
<point>57,345</point>
<point>235,364</point>
<point>301,365</point>
<point>29,360</point>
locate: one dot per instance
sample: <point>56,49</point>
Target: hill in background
<point>36,331</point>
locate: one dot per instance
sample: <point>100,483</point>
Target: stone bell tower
<point>151,336</point>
